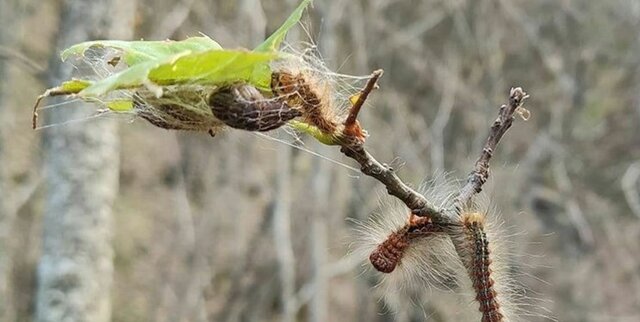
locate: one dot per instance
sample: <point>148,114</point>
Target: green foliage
<point>74,86</point>
<point>194,61</point>
<point>315,132</point>
<point>211,67</point>
<point>135,52</point>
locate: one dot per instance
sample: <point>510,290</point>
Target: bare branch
<point>385,174</point>
<point>8,53</point>
<point>480,173</point>
<point>364,94</point>
<point>354,148</point>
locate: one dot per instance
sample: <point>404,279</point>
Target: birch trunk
<point>81,169</point>
<point>8,19</point>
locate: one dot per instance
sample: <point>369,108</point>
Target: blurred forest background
<point>114,220</point>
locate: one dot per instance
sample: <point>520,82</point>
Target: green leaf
<point>273,42</point>
<point>135,52</point>
<point>74,86</point>
<point>213,67</point>
<point>217,67</point>
<point>315,132</point>
<point>120,105</point>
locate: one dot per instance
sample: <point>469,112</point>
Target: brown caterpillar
<point>243,107</point>
<point>386,257</point>
<point>238,106</point>
<point>297,91</point>
<point>473,246</point>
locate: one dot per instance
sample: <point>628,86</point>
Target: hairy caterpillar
<point>468,255</point>
<point>243,107</point>
<point>298,91</point>
<point>239,106</point>
<point>389,253</point>
<point>473,247</point>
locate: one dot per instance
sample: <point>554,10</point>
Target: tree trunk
<point>81,169</point>
<point>8,18</point>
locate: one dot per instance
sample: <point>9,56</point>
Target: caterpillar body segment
<point>243,107</point>
<point>211,109</point>
<point>473,247</point>
<point>482,245</point>
<point>389,253</point>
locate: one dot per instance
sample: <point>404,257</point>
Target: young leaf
<point>273,42</point>
<point>74,86</point>
<point>213,67</point>
<point>135,52</point>
<point>322,137</point>
<point>120,105</point>
<point>217,67</point>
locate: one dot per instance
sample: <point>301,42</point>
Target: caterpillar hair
<point>473,247</point>
<point>297,90</point>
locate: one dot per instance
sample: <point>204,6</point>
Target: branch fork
<point>352,146</point>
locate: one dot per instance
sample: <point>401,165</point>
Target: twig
<point>56,91</point>
<point>364,94</point>
<point>8,53</point>
<point>385,174</point>
<point>418,204</point>
<point>480,173</point>
<point>395,187</point>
